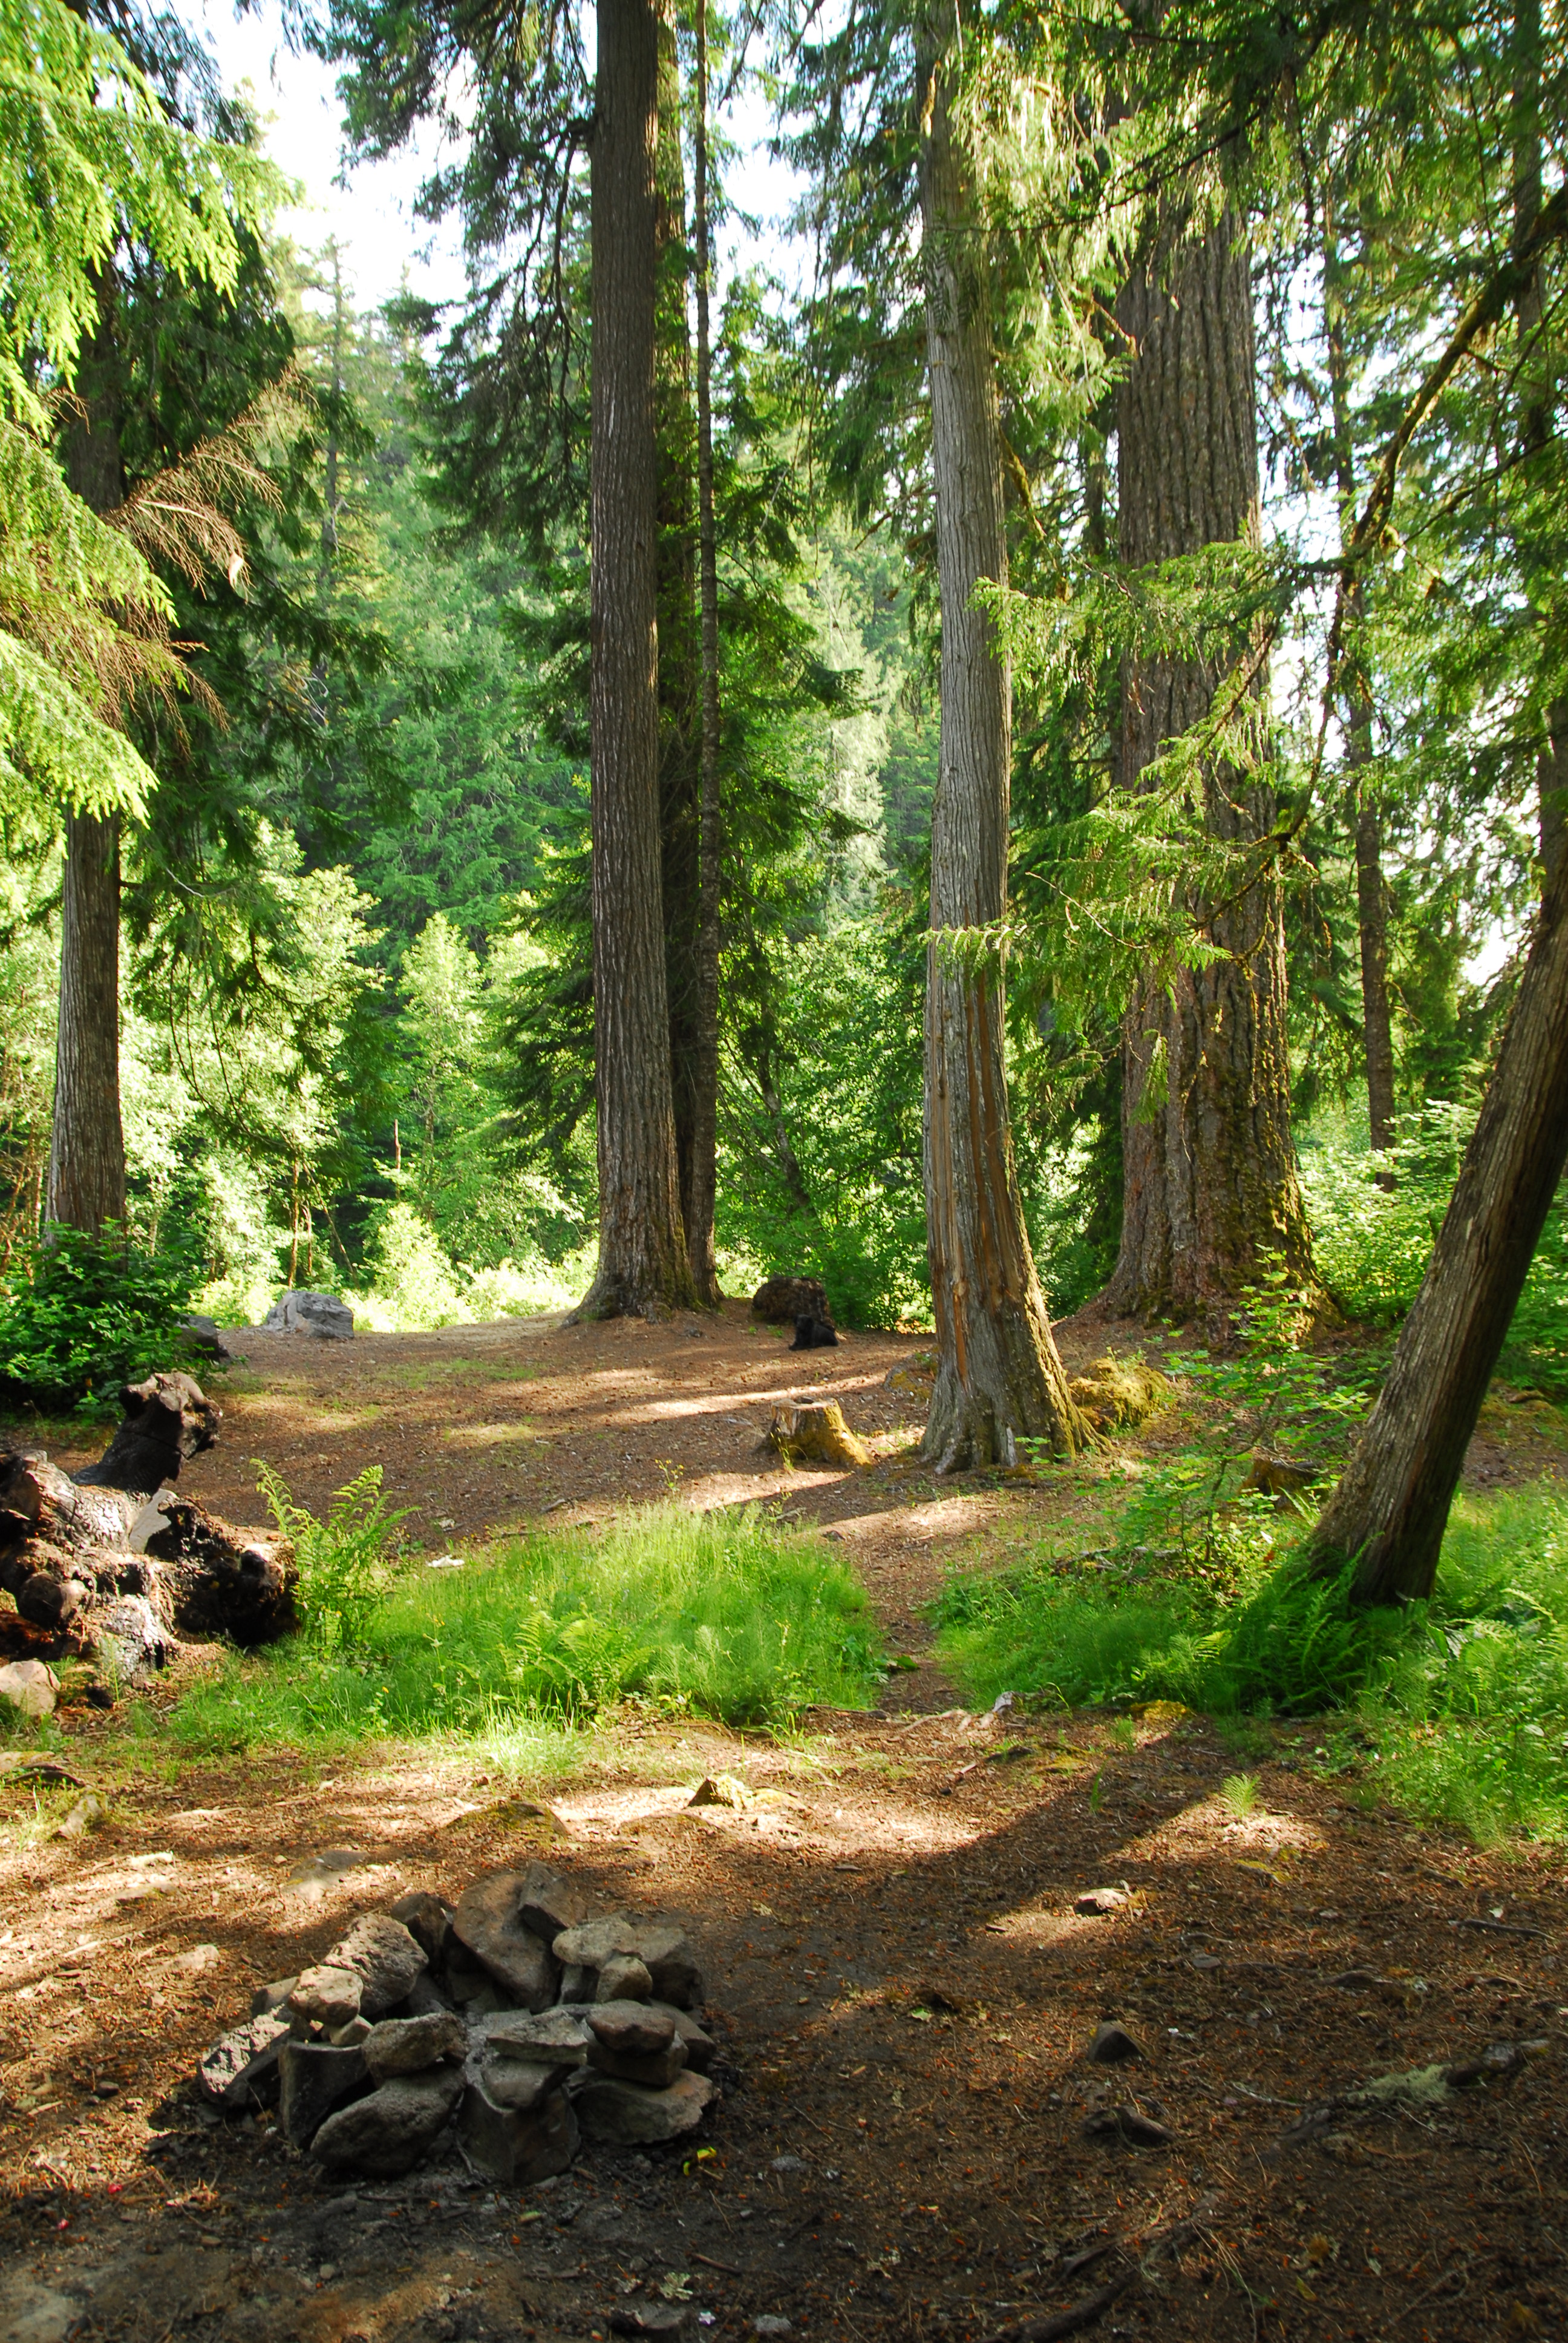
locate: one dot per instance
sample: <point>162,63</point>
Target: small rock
<point>29,1686</point>
<point>313,2077</point>
<point>268,1997</point>
<point>1127,2124</point>
<point>700,2046</point>
<point>488,1921</point>
<point>655,2071</point>
<point>770,2325</point>
<point>1113,2045</point>
<point>1101,1899</point>
<point>357,2030</point>
<point>624,2115</point>
<point>428,1920</point>
<point>88,1814</point>
<point>387,2133</point>
<point>788,2164</point>
<point>407,2046</point>
<point>551,2035</point>
<point>132,1636</point>
<point>624,1978</point>
<point>651,2317</point>
<point>199,1959</point>
<point>517,2086</point>
<point>632,2029</point>
<point>1357,1980</point>
<point>237,2070</point>
<point>515,2147</point>
<point>722,1790</point>
<point>386,1957</point>
<point>327,1995</point>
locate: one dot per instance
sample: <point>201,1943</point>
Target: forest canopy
<point>1017,763</point>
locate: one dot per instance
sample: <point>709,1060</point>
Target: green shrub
<point>84,1314</point>
<point>720,1614</point>
<point>1371,1244</point>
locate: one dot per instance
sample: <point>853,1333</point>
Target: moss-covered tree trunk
<point>998,1376</point>
<point>642,1263</point>
<point>1210,1185</point>
<point>1388,1515</point>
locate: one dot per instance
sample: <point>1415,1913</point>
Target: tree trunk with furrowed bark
<point>642,1263</point>
<point>1210,1188</point>
<point>998,1377</point>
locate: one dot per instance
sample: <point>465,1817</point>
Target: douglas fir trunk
<point>998,1376</point>
<point>642,1252</point>
<point>700,1188</point>
<point>86,1184</point>
<point>1210,1184</point>
<point>1390,1510</point>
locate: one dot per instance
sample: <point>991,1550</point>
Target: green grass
<point>1460,1705</point>
<point>720,1615</point>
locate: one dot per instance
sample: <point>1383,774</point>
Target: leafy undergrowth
<point>1457,1709</point>
<point>718,1615</point>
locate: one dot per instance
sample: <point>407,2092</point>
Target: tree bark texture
<point>679,721</point>
<point>1209,1183</point>
<point>1371,895</point>
<point>701,1187</point>
<point>997,1376</point>
<point>642,1263</point>
<point>86,1180</point>
<point>1390,1510</point>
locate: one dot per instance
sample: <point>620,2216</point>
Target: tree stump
<point>817,1435</point>
<point>1117,1394</point>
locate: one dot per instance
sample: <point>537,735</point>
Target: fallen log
<point>113,1567</point>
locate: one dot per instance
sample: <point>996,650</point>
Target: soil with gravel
<point>913,2141</point>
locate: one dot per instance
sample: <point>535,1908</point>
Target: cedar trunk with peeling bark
<point>1390,1510</point>
<point>998,1376</point>
<point>1210,1185</point>
<point>642,1263</point>
<point>87,1183</point>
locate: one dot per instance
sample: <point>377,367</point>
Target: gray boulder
<point>407,2046</point>
<point>632,2029</point>
<point>489,1921</point>
<point>387,2133</point>
<point>243,2068</point>
<point>384,1957</point>
<point>321,1316</point>
<point>327,1995</point>
<point>428,1920</point>
<point>515,2145</point>
<point>552,2035</point>
<point>627,2115</point>
<point>624,1978</point>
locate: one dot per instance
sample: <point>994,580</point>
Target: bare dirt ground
<point>904,1989</point>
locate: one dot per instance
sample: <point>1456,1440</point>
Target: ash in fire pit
<point>517,2022</point>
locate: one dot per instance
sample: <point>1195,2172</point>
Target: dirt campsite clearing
<point>1339,2112</point>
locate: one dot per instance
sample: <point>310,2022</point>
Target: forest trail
<point>907,1990</point>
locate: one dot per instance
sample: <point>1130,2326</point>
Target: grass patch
<point>1460,1705</point>
<point>720,1615</point>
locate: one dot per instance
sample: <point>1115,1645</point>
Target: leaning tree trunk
<point>1210,1186</point>
<point>1390,1508</point>
<point>1537,385</point>
<point>997,1376</point>
<point>642,1263</point>
<point>87,1183</point>
<point>701,1187</point>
